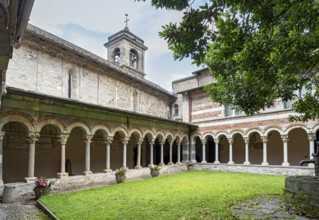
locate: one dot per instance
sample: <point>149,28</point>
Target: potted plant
<point>120,174</point>
<point>190,165</point>
<point>155,170</point>
<point>42,187</point>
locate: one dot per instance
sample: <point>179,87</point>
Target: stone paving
<point>263,208</point>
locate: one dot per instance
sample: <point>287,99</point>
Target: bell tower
<point>127,50</point>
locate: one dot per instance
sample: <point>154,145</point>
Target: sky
<point>88,24</point>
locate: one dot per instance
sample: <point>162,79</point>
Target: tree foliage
<point>258,51</point>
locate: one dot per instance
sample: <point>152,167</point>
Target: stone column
<point>88,141</point>
<point>108,154</point>
<point>162,153</point>
<point>125,142</point>
<point>33,138</point>
<point>152,142</point>
<point>216,151</point>
<point>139,145</point>
<point>192,147</point>
<point>179,152</point>
<point>171,152</point>
<point>230,141</point>
<point>204,141</point>
<point>185,147</point>
<point>246,139</point>
<point>285,141</point>
<point>63,139</point>
<point>311,138</point>
<point>1,154</point>
<point>264,140</point>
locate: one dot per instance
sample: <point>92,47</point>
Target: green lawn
<point>187,195</point>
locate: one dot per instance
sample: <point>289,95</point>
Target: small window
<point>230,111</point>
<point>133,59</point>
<point>135,101</point>
<point>117,56</point>
<point>299,93</point>
<point>175,110</point>
<point>69,85</point>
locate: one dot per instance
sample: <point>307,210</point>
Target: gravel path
<point>19,211</point>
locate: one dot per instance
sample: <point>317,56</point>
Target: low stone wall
<point>257,169</point>
<point>302,195</point>
<point>25,190</point>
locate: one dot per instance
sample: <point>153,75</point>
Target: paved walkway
<point>263,208</point>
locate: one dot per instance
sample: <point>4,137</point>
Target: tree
<point>258,51</point>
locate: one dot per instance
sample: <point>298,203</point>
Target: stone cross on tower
<point>126,20</point>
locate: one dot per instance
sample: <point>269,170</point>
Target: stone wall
<point>43,67</point>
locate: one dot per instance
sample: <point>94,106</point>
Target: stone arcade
<point>62,103</point>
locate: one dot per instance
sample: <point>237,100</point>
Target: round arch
<point>254,130</point>
<point>206,135</point>
<point>122,131</point>
<point>105,129</point>
<point>234,132</point>
<point>80,125</point>
<point>17,118</point>
<point>135,131</point>
<point>294,126</point>
<point>270,129</point>
<point>56,123</point>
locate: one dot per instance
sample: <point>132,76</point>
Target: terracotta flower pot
<point>120,179</point>
<point>41,191</point>
<point>155,173</point>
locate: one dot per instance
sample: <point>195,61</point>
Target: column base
<point>138,167</point>
<point>230,162</point>
<point>246,163</point>
<point>178,163</point>
<point>88,173</point>
<point>62,175</point>
<point>107,171</point>
<point>204,161</point>
<point>170,163</point>
<point>285,164</point>
<point>30,179</point>
<point>311,165</point>
<point>216,162</point>
<point>265,163</point>
<point>162,164</point>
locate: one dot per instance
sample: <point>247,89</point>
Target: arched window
<point>117,56</point>
<point>69,85</point>
<point>175,110</point>
<point>135,101</point>
<point>133,59</point>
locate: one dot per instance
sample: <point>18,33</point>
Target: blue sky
<point>88,24</point>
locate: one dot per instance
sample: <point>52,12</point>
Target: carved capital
<point>140,141</point>
<point>33,137</point>
<point>284,138</point>
<point>311,136</point>
<point>88,139</point>
<point>152,142</point>
<point>109,140</point>
<point>125,140</point>
<point>216,140</point>
<point>246,140</point>
<point>63,138</point>
<point>230,141</point>
<point>264,139</point>
<point>2,133</point>
<point>204,141</point>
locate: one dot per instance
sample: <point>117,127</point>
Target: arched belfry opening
<point>117,56</point>
<point>133,59</point>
